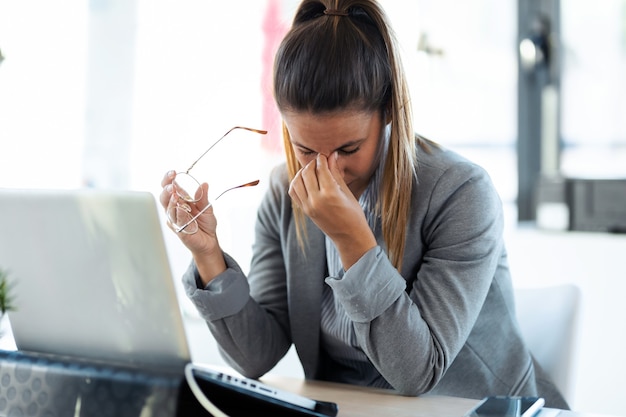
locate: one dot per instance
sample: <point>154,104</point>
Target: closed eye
<point>306,152</point>
<point>348,151</point>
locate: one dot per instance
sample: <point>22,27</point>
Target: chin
<point>356,190</point>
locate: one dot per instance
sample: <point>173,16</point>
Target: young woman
<point>377,253</point>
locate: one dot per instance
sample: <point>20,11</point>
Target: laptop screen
<point>91,277</point>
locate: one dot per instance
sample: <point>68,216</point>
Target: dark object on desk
<point>36,384</point>
<point>232,398</point>
<point>505,406</point>
<point>593,205</point>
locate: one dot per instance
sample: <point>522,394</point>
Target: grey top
<point>445,325</point>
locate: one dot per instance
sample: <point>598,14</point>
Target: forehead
<point>331,129</point>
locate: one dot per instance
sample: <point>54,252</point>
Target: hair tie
<point>335,12</point>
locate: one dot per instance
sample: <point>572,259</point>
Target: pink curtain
<point>274,30</point>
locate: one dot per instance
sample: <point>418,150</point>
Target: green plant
<point>6,301</point>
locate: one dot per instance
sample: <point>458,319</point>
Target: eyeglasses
<point>182,215</point>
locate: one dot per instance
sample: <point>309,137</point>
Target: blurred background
<point>113,93</point>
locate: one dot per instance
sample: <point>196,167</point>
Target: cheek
<point>354,166</point>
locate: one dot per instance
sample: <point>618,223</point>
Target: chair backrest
<point>548,320</point>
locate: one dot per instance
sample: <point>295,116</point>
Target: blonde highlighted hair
<point>342,55</point>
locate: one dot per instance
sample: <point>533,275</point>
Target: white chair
<point>548,320</point>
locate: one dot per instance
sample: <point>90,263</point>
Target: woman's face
<point>353,135</point>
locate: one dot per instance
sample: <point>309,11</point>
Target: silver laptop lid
<point>91,277</point>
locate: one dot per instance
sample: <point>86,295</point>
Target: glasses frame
<point>188,199</point>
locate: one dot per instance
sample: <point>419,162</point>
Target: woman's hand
<point>320,191</point>
<point>203,244</point>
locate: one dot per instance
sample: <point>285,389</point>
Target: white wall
<point>597,264</point>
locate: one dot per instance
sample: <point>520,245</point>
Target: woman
<point>377,253</point>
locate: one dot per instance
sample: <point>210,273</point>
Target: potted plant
<point>6,301</point>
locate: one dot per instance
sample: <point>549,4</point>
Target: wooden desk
<point>361,401</point>
<point>354,401</point>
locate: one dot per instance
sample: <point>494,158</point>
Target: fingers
<point>204,200</point>
<point>168,178</point>
<point>166,193</point>
<point>324,175</point>
<point>297,190</point>
<point>317,183</point>
<point>335,171</point>
<point>174,204</point>
<point>329,174</point>
<point>333,165</point>
<point>310,178</point>
<point>293,193</point>
<point>171,191</point>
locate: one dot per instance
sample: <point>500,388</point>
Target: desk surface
<point>354,401</point>
<point>361,401</point>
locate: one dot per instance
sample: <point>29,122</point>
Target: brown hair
<point>341,55</point>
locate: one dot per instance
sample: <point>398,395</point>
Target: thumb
<point>335,170</point>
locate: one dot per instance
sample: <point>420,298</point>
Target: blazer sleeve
<point>251,327</point>
<point>412,327</point>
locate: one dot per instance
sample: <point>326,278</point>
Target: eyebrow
<point>345,145</point>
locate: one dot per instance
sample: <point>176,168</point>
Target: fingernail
<point>171,174</point>
<point>169,188</point>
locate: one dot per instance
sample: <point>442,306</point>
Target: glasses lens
<point>179,216</point>
<point>187,187</point>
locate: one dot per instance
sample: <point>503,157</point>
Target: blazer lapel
<point>305,279</point>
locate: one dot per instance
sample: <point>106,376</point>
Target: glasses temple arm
<point>184,226</point>
<point>262,132</point>
<point>207,151</point>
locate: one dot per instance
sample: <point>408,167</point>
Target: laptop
<point>91,277</point>
<point>91,280</point>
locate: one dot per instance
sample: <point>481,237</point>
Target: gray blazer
<point>445,325</point>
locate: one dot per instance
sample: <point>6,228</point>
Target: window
<point>114,93</point>
<point>462,69</point>
<point>42,93</point>
<point>593,89</point>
